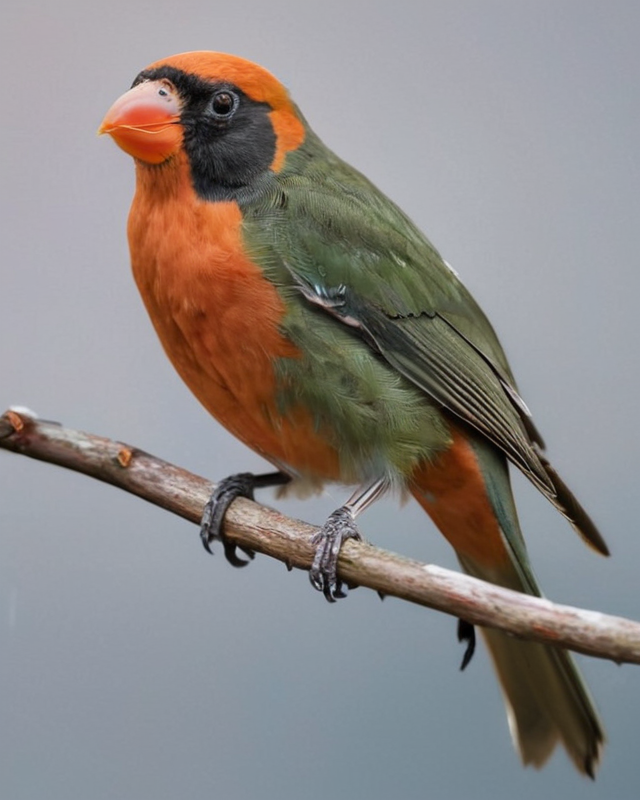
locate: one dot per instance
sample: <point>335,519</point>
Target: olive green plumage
<point>337,247</point>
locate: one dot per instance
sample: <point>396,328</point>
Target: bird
<point>311,317</point>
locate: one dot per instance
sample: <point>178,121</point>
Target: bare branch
<point>266,531</point>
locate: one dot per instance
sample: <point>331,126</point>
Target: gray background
<point>132,665</point>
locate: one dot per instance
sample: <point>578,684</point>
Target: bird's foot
<point>466,633</point>
<point>323,573</point>
<point>227,490</point>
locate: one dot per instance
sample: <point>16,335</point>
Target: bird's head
<point>231,118</point>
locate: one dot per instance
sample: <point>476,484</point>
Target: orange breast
<point>218,318</point>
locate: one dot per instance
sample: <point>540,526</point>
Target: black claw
<point>323,573</point>
<point>241,485</point>
<point>466,633</point>
<point>338,593</point>
<point>230,553</point>
<point>329,596</point>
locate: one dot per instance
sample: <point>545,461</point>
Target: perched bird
<point>311,317</point>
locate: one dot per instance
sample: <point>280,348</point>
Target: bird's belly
<point>218,320</point>
<point>233,377</point>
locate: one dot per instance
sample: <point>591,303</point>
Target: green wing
<point>325,232</point>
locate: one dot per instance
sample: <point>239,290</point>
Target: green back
<point>372,302</point>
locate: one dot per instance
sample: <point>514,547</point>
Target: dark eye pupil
<point>223,103</point>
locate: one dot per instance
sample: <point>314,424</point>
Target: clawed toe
<point>328,541</point>
<point>227,490</point>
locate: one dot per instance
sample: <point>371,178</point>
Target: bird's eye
<point>224,104</point>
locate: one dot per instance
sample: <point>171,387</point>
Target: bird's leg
<point>241,485</point>
<point>340,526</point>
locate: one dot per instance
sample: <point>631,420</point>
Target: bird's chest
<point>217,316</point>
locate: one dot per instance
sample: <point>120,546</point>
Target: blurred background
<point>133,665</point>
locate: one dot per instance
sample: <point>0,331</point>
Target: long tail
<point>467,494</point>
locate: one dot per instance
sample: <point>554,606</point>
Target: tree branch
<point>266,531</point>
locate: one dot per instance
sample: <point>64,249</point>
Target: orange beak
<point>145,121</point>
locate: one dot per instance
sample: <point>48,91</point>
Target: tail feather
<point>547,701</point>
<point>467,494</point>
